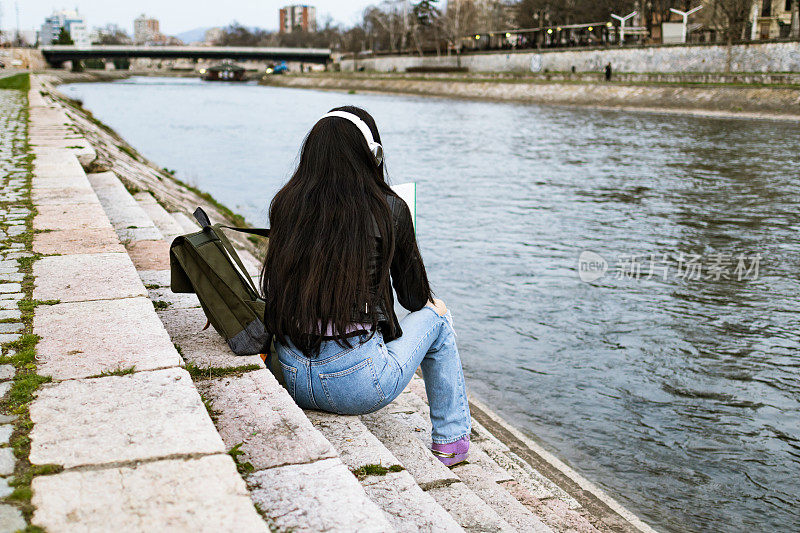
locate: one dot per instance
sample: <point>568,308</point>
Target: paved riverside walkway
<point>144,403</point>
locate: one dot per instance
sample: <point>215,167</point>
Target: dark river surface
<point>679,394</point>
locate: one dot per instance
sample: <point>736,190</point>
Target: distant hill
<point>194,36</point>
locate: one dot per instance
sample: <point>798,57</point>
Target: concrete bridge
<point>55,55</point>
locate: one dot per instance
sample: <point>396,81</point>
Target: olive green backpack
<point>205,263</point>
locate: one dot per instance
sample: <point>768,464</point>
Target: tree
<point>456,23</point>
<point>384,24</point>
<point>794,31</point>
<point>729,17</point>
<point>237,35</point>
<point>112,34</point>
<point>64,37</point>
<point>424,24</point>
<point>425,13</point>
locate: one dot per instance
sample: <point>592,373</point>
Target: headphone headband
<point>374,147</point>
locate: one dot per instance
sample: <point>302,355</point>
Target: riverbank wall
<point>746,101</point>
<point>142,418</point>
<point>710,58</point>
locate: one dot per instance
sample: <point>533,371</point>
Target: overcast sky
<point>176,16</point>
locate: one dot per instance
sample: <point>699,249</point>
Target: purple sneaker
<point>452,453</point>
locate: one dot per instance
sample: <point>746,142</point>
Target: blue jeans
<point>368,376</point>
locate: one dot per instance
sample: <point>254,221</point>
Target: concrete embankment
<point>741,100</point>
<point>686,58</point>
<point>138,404</point>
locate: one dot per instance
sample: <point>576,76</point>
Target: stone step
<point>401,428</point>
<point>280,446</point>
<point>136,230</point>
<point>397,493</point>
<point>515,486</point>
<point>128,218</point>
<point>165,223</point>
<point>185,222</point>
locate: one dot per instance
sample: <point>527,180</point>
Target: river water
<point>678,391</point>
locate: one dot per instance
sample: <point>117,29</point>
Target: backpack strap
<point>202,219</point>
<point>261,232</point>
<point>226,244</point>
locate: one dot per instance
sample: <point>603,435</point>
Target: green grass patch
<point>27,306</point>
<point>209,405</point>
<point>152,286</point>
<point>116,372</point>
<point>24,351</point>
<point>208,372</point>
<point>18,82</point>
<point>375,470</point>
<point>128,150</point>
<point>243,467</point>
<point>161,305</point>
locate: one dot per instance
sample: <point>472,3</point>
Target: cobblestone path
<point>14,212</point>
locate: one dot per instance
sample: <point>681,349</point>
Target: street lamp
<point>685,15</point>
<point>622,21</point>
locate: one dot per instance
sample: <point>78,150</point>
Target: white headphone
<point>375,148</point>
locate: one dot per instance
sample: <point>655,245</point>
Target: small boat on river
<point>224,72</point>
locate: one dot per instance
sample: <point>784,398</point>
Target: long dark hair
<point>324,224</point>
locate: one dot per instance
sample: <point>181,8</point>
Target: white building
<point>74,24</point>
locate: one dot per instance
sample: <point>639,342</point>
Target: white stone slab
<point>256,411</point>
<point>133,417</point>
<point>125,214</point>
<point>320,496</point>
<point>407,507</point>
<point>63,195</point>
<point>188,224</point>
<point>7,461</point>
<point>498,498</point>
<point>87,338</point>
<point>11,518</point>
<point>165,223</point>
<point>81,277</point>
<point>197,495</point>
<point>413,454</point>
<point>203,348</point>
<point>71,216</point>
<point>160,278</point>
<point>466,508</point>
<point>355,444</point>
<point>175,300</point>
<point>81,241</point>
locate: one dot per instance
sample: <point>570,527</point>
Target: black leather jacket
<point>409,279</point>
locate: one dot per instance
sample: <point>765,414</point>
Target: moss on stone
<point>375,470</point>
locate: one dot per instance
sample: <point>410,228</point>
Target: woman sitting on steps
<point>339,236</point>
